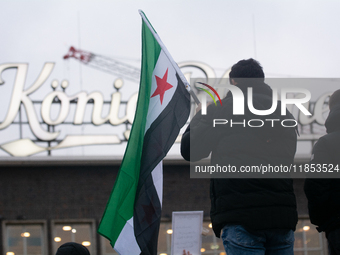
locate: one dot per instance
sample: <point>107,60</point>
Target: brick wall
<point>72,192</point>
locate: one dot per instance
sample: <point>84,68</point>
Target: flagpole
<point>173,63</point>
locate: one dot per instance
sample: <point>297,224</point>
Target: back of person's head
<point>72,248</point>
<point>246,68</point>
<point>334,99</point>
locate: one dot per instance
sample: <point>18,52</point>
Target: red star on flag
<point>149,212</point>
<point>162,86</point>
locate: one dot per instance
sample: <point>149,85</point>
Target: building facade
<point>44,204</point>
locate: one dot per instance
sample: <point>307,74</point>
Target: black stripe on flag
<point>157,142</point>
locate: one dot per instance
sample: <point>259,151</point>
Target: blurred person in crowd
<point>324,194</point>
<point>72,248</point>
<point>256,216</point>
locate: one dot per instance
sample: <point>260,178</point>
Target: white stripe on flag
<point>157,177</point>
<point>126,243</point>
<point>155,106</point>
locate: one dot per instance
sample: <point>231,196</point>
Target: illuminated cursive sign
<point>43,126</point>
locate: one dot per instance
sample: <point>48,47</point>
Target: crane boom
<point>105,64</point>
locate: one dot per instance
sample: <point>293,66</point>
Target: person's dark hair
<point>334,99</point>
<point>246,68</point>
<point>72,248</point>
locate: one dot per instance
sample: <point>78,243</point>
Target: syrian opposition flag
<point>132,216</point>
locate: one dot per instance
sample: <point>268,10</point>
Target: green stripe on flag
<point>119,208</point>
<point>140,11</point>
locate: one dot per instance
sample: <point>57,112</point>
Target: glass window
<point>106,247</point>
<point>23,238</point>
<point>164,238</point>
<point>70,231</point>
<point>210,244</point>
<point>164,241</point>
<point>308,241</point>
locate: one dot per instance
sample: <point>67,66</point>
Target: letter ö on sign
<point>46,108</point>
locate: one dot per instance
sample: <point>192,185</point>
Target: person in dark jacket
<point>256,216</point>
<point>324,194</point>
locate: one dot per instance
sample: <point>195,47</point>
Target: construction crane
<point>105,64</point>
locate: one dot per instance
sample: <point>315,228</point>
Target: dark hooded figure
<point>324,194</point>
<point>72,248</point>
<point>255,215</point>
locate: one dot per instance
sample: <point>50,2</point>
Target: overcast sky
<point>290,38</point>
<point>296,38</point>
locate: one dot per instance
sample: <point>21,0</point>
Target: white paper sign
<point>187,232</point>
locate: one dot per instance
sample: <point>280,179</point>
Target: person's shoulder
<point>330,138</point>
<point>327,149</point>
<point>333,135</point>
<point>320,144</point>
